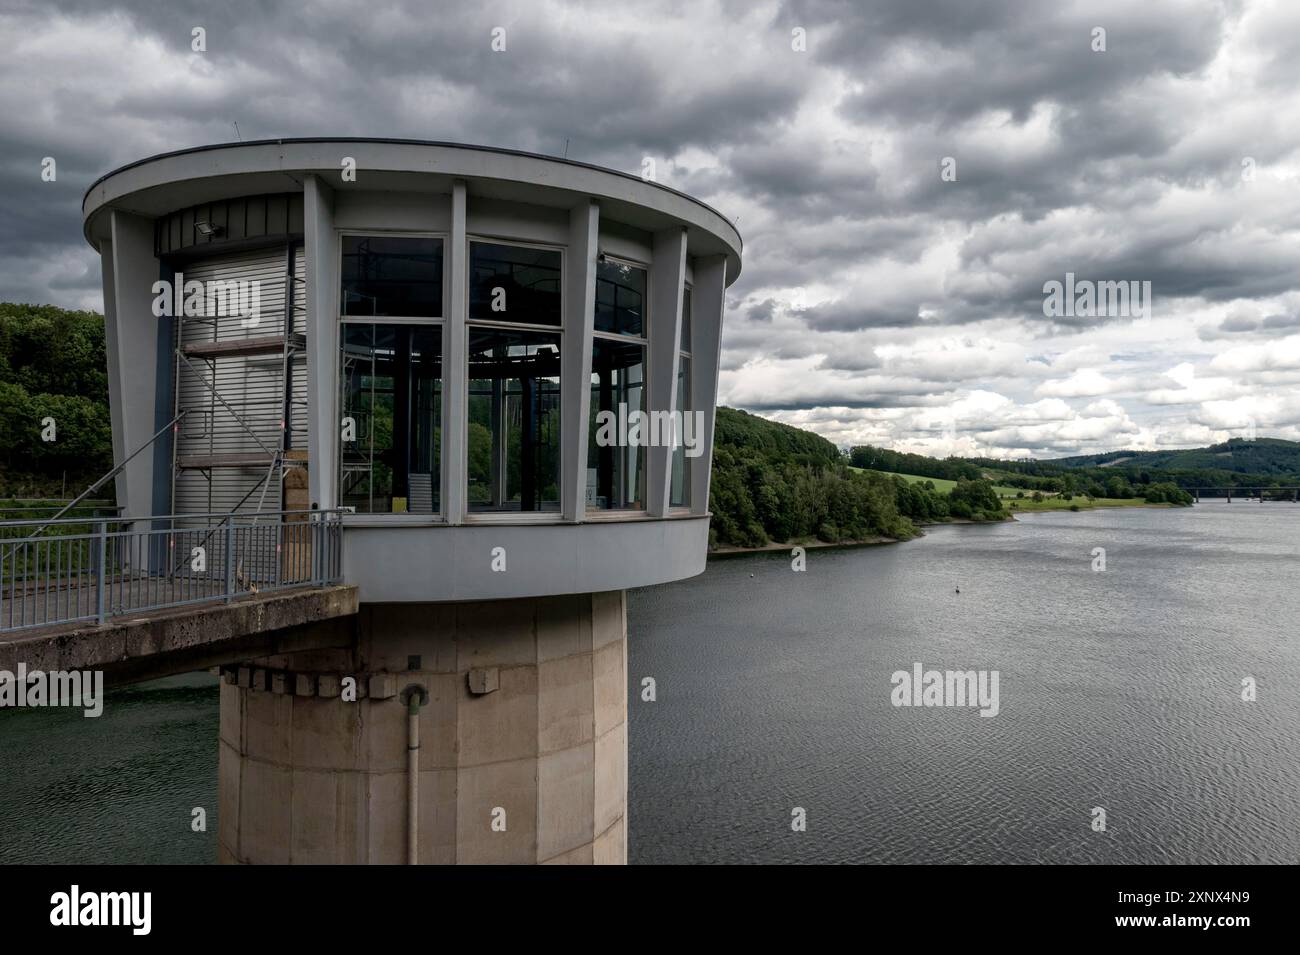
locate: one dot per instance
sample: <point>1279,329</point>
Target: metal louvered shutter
<point>220,465</point>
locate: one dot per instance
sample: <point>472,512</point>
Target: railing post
<point>332,570</point>
<point>319,544</point>
<point>334,532</point>
<point>101,565</point>
<point>315,542</point>
<point>327,551</point>
<point>230,558</point>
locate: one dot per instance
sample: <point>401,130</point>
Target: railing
<point>77,570</point>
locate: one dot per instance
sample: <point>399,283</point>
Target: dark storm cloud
<point>1237,326</point>
<point>403,70</point>
<point>857,402</point>
<point>1277,323</point>
<point>948,60</point>
<point>761,311</point>
<point>857,361</point>
<point>1117,165</point>
<point>849,316</point>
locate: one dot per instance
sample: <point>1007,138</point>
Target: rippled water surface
<point>1118,689</point>
<point>119,788</point>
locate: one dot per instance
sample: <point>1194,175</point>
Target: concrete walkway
<point>181,639</point>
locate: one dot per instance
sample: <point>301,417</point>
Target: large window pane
<point>615,468</point>
<point>514,420</point>
<point>391,428</point>
<point>680,489</point>
<point>620,298</point>
<point>513,283</point>
<point>392,276</point>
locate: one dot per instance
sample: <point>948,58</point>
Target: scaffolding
<point>225,352</point>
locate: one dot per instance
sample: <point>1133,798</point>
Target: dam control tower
<point>497,372</point>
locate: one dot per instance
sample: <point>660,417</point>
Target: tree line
<point>52,375</point>
<point>1123,475</point>
<point>773,482</point>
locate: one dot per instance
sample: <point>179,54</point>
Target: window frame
<point>470,516</point>
<point>439,516</point>
<point>619,513</point>
<point>688,353</point>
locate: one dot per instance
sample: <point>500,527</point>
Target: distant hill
<point>1263,462</point>
<point>1239,455</point>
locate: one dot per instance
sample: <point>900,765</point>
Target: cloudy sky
<point>907,175</point>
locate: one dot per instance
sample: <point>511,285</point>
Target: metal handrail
<point>56,506</point>
<point>95,575</point>
<point>193,515</point>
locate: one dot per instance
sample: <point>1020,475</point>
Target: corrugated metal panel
<point>252,386</point>
<point>298,412</point>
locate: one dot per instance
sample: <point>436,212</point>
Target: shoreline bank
<point>731,550</point>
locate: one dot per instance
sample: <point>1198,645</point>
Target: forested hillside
<point>52,367</point>
<point>772,482</point>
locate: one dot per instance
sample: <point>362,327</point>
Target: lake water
<point>1118,689</point>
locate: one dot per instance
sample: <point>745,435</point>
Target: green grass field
<point>942,485</point>
<point>1020,505</point>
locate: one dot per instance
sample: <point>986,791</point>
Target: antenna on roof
<point>566,148</point>
<point>237,136</point>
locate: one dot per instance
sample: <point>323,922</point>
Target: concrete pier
<point>522,743</point>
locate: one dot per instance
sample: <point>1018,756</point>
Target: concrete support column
<point>131,340</point>
<point>708,301</point>
<point>523,742</point>
<point>320,251</point>
<point>575,375</point>
<point>455,367</point>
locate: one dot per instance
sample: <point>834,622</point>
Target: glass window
<point>392,276</point>
<point>686,321</point>
<point>616,468</point>
<point>391,429</point>
<point>679,492</point>
<point>620,298</point>
<point>514,283</point>
<point>514,420</point>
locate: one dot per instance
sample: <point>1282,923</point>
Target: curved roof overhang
<point>161,184</point>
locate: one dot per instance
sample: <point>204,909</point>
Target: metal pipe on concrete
<point>415,696</point>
